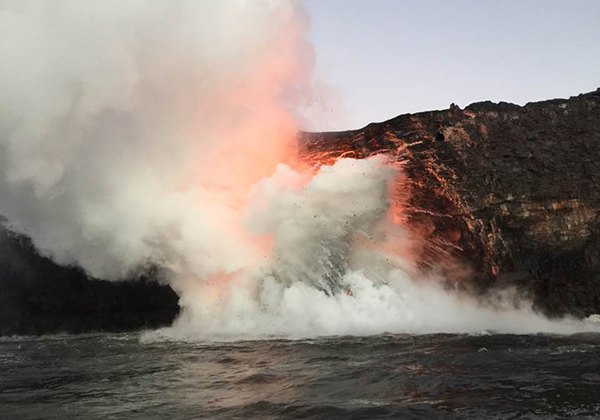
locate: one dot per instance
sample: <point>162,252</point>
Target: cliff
<point>502,194</point>
<point>39,297</point>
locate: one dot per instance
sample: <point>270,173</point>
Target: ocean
<point>388,376</point>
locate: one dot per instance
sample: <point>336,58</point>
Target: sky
<point>383,58</point>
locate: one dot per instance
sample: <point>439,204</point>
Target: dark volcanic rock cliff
<point>512,192</point>
<point>39,297</point>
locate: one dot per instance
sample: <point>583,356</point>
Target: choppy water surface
<point>104,376</point>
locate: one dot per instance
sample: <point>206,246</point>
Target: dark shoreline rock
<point>39,297</point>
<point>513,192</point>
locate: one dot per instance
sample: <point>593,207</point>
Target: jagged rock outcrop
<point>513,192</point>
<point>39,297</point>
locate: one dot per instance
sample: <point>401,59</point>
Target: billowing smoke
<point>162,134</point>
<point>131,131</point>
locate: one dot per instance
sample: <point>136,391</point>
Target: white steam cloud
<point>116,118</point>
<point>146,133</point>
<point>335,269</point>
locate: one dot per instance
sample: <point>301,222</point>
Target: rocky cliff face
<point>40,297</point>
<point>510,192</point>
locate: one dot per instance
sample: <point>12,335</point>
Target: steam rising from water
<point>161,134</point>
<point>332,270</point>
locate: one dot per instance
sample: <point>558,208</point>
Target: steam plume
<point>116,120</point>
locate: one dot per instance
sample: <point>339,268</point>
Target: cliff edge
<point>510,192</point>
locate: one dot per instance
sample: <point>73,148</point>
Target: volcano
<point>496,195</point>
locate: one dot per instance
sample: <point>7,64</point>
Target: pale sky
<point>388,57</point>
